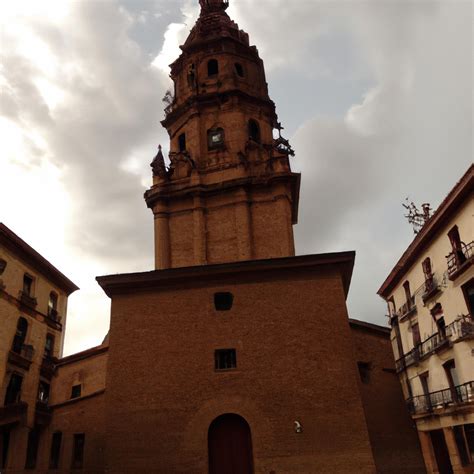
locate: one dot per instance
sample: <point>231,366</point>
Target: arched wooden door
<point>230,446</point>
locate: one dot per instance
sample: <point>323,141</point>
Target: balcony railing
<point>28,300</point>
<point>13,412</point>
<point>441,399</point>
<point>461,328</point>
<point>48,367</point>
<point>21,355</point>
<point>432,343</point>
<point>407,308</point>
<point>53,314</point>
<point>430,287</point>
<point>460,259</point>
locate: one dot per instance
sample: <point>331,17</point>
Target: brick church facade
<point>233,355</point>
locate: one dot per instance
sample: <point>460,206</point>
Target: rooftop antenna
<point>416,217</point>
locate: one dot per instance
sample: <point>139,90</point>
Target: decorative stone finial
<point>158,164</point>
<point>208,6</point>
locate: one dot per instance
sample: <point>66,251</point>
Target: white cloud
<point>81,106</point>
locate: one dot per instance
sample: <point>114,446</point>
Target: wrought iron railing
<point>462,327</point>
<point>431,344</point>
<point>28,300</point>
<point>457,258</point>
<point>53,314</point>
<point>26,351</point>
<point>407,307</point>
<point>441,398</point>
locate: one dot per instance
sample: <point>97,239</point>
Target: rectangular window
<point>43,392</point>
<point>27,284</point>
<point>469,433</point>
<point>14,389</point>
<point>415,329</point>
<point>5,442</point>
<point>78,451</point>
<point>406,287</point>
<point>461,444</point>
<point>225,359</point>
<point>364,371</point>
<point>76,391</point>
<point>55,450</point>
<point>49,345</point>
<point>427,269</point>
<point>32,449</point>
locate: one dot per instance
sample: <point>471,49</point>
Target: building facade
<point>33,308</point>
<point>233,354</point>
<point>430,296</point>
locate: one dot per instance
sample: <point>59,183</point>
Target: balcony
<point>28,300</point>
<point>48,367</point>
<point>53,313</point>
<point>431,287</point>
<point>460,260</point>
<point>459,330</point>
<point>21,355</point>
<point>407,309</point>
<point>43,413</point>
<point>13,413</point>
<point>442,399</point>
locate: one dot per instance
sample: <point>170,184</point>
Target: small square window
<point>76,391</point>
<point>225,359</point>
<point>223,301</point>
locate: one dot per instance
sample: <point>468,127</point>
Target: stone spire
<point>158,164</point>
<point>209,6</point>
<point>229,193</point>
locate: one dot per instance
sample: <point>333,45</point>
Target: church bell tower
<point>229,193</point>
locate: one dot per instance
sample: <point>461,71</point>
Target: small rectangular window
<point>364,371</point>
<point>76,391</point>
<point>49,346</point>
<point>223,301</point>
<point>55,450</point>
<point>415,330</point>
<point>469,433</point>
<point>5,437</point>
<point>27,285</point>
<point>225,359</point>
<point>43,392</point>
<point>13,393</point>
<point>461,443</point>
<point>78,451</point>
<point>32,449</point>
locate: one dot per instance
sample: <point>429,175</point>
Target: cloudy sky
<point>375,96</point>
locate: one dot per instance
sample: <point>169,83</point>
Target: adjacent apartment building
<point>430,296</point>
<point>33,306</point>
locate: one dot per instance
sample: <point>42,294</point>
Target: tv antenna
<point>416,217</point>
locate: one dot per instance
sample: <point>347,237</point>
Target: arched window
<point>20,335</point>
<point>215,138</point>
<point>53,305</point>
<point>3,265</point>
<point>239,69</point>
<point>212,67</point>
<point>182,142</point>
<point>254,130</point>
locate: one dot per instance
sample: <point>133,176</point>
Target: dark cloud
<point>376,95</point>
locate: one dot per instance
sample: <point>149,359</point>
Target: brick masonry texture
<point>392,433</point>
<point>163,392</point>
